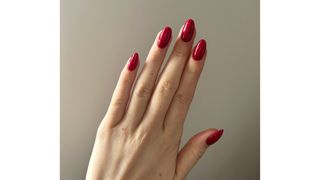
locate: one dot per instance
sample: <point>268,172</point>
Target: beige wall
<point>98,36</point>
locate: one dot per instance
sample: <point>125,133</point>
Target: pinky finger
<point>121,93</point>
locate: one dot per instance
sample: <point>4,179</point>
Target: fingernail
<point>164,37</point>
<point>133,62</point>
<point>187,30</point>
<point>214,137</point>
<point>199,50</point>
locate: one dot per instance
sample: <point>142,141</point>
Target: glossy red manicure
<point>164,37</point>
<point>187,30</point>
<point>133,62</point>
<point>199,50</point>
<point>214,137</point>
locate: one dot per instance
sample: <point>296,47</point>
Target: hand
<point>139,137</point>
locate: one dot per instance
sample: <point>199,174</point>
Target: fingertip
<point>164,37</point>
<point>199,50</point>
<point>133,61</point>
<point>188,30</point>
<point>214,137</point>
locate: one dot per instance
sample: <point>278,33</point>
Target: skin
<point>140,135</point>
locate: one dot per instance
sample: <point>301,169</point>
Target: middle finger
<point>170,77</point>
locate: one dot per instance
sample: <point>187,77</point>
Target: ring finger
<point>170,77</point>
<point>145,83</point>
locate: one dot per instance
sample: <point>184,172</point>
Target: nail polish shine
<point>214,137</point>
<point>187,30</point>
<point>133,62</point>
<point>164,37</point>
<point>199,50</point>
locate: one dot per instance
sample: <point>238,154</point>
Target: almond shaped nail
<point>214,137</point>
<point>187,30</point>
<point>164,37</point>
<point>133,62</point>
<point>199,50</point>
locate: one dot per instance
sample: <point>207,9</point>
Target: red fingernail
<point>187,30</point>
<point>199,50</point>
<point>164,37</point>
<point>214,137</point>
<point>133,62</point>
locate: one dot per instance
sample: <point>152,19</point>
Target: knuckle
<point>140,139</point>
<point>194,70</point>
<point>143,91</point>
<point>112,114</point>
<point>118,102</point>
<point>167,87</point>
<point>102,133</point>
<point>116,106</point>
<point>124,132</point>
<point>196,152</point>
<point>183,98</point>
<point>179,52</point>
<point>141,136</point>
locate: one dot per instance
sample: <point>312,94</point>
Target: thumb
<point>194,149</point>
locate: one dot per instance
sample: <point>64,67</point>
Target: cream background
<point>98,36</point>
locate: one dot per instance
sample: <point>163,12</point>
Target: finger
<point>194,149</point>
<point>182,99</point>
<point>170,77</point>
<point>121,93</point>
<point>145,83</point>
